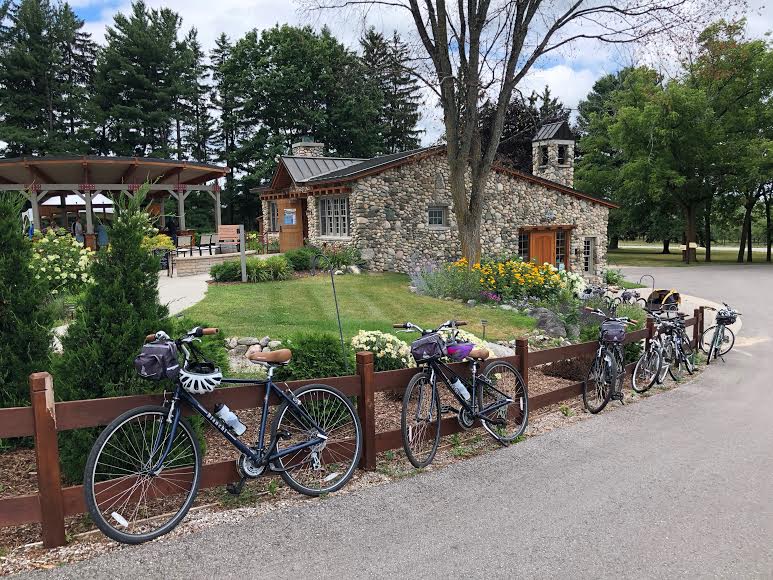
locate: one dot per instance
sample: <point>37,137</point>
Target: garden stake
<point>315,261</point>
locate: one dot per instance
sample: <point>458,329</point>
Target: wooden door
<point>542,247</point>
<point>290,224</point>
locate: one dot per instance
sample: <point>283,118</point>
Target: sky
<point>569,74</point>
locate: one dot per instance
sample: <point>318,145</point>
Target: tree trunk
<point>768,232</point>
<point>707,233</point>
<point>690,232</point>
<point>666,246</point>
<point>742,247</point>
<point>468,220</point>
<point>614,242</point>
<point>749,237</point>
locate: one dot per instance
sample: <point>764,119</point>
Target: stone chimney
<point>553,153</point>
<point>306,147</point>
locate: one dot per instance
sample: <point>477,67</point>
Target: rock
<point>471,303</point>
<point>241,350</point>
<point>499,350</point>
<point>253,349</point>
<point>548,322</point>
<point>413,289</point>
<point>264,341</point>
<point>275,344</point>
<point>505,307</point>
<point>231,342</point>
<point>338,272</point>
<point>247,341</point>
<point>573,331</point>
<point>353,269</point>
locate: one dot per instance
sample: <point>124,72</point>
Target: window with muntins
<point>588,259</point>
<point>334,217</point>
<point>562,154</point>
<point>523,247</point>
<point>544,155</point>
<point>560,247</point>
<point>436,216</point>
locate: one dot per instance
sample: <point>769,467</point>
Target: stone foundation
<point>192,265</point>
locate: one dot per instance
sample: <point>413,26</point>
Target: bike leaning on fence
<point>144,470</point>
<point>670,351</point>
<point>718,340</point>
<point>607,371</point>
<point>496,397</point>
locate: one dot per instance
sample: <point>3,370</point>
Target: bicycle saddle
<point>274,357</point>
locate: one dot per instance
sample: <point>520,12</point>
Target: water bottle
<point>228,417</point>
<point>460,389</point>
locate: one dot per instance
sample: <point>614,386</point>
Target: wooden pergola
<point>41,178</point>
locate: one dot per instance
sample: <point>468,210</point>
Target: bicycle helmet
<point>201,377</point>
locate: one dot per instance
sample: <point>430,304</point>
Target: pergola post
<point>215,194</point>
<point>35,198</point>
<point>86,196</point>
<point>181,195</point>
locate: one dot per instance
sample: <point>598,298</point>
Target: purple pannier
<point>612,331</point>
<point>459,350</point>
<point>428,347</point>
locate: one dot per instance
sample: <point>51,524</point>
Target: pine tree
<point>386,64</point>
<point>200,128</point>
<point>25,322</point>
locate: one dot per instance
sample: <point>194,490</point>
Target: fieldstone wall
<point>560,173</point>
<point>390,223</point>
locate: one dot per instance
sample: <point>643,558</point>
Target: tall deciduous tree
<point>481,50</point>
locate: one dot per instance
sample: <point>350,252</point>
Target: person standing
<point>173,230</point>
<point>102,240</point>
<point>77,230</point>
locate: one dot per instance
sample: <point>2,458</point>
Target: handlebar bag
<point>158,361</point>
<point>428,347</point>
<point>612,331</point>
<point>726,317</point>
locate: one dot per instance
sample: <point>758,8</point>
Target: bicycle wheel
<point>646,372</point>
<point>327,466</point>
<point>641,303</point>
<point>725,340</point>
<point>666,356</point>
<point>500,380</point>
<point>676,364</point>
<point>128,501</point>
<point>420,420</point>
<point>597,388</point>
<point>688,353</point>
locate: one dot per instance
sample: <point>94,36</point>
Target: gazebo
<point>88,176</point>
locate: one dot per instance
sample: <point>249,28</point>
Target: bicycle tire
<point>641,302</point>
<point>666,354</point>
<point>90,475</point>
<point>650,360</point>
<point>516,391</point>
<point>707,339</point>
<point>676,363</point>
<point>332,411</point>
<point>410,433</point>
<point>598,373</point>
<point>688,353</point>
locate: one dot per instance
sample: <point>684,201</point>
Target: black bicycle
<point>607,371</point>
<point>718,340</point>
<point>144,471</point>
<point>496,397</point>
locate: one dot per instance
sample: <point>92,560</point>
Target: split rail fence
<point>45,418</point>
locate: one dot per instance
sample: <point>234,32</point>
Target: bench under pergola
<point>41,178</point>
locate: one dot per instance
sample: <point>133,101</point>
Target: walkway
<point>181,293</point>
<point>678,485</point>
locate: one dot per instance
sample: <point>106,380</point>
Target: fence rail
<point>45,418</point>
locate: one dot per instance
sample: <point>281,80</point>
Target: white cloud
<point>566,83</point>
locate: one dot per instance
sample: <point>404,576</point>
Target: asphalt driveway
<point>678,485</point>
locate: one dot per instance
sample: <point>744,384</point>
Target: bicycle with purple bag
<point>495,397</point>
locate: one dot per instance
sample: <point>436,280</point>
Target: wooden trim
<point>546,228</point>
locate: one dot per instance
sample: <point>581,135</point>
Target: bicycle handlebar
<point>446,324</point>
<point>192,333</point>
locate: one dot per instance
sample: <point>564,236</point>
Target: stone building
<point>397,208</point>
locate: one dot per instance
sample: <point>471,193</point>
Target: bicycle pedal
<point>617,396</point>
<point>236,488</point>
<point>448,409</point>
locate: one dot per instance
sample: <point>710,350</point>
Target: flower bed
<point>61,261</point>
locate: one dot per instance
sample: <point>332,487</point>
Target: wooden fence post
<point>47,458</point>
<point>366,408</point>
<point>696,331</point>
<point>702,320</point>
<point>650,333</point>
<point>522,350</point>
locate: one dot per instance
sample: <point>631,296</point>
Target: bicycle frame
<point>258,456</point>
<point>438,367</point>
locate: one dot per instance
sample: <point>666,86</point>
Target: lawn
<point>640,255</point>
<point>367,302</point>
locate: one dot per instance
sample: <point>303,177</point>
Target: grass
<point>371,301</point>
<point>639,255</point>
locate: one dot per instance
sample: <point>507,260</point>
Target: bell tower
<point>552,151</point>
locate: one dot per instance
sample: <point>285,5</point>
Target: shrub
<point>279,268</point>
<point>258,270</point>
<point>230,271</point>
<point>444,280</point>
<point>614,277</point>
<point>300,258</point>
<point>340,256</point>
<point>316,355</point>
<point>61,262</point>
<point>119,309</point>
<point>390,352</point>
<point>157,242</point>
<point>25,319</point>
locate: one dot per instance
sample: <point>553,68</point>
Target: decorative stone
<point>241,349</point>
<point>338,272</point>
<point>254,348</point>
<point>247,341</point>
<point>549,322</point>
<point>353,269</point>
<point>231,342</point>
<point>471,302</point>
<point>264,341</point>
<point>275,344</point>
<point>505,307</point>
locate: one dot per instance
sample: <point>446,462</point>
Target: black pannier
<point>428,347</point>
<point>158,361</point>
<point>612,331</point>
<point>726,317</point>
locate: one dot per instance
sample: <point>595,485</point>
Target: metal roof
<point>557,130</point>
<point>367,164</point>
<point>303,169</point>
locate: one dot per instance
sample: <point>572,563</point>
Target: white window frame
<point>334,217</point>
<point>443,216</point>
<point>589,255</point>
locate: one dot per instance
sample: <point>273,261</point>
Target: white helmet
<point>200,378</point>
